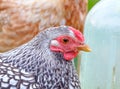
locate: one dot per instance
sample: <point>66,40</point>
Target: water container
<point>100,69</point>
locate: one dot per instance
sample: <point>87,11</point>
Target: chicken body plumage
<point>21,20</point>
<point>34,66</point>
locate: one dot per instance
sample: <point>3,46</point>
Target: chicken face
<point>69,45</point>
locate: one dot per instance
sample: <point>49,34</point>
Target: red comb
<point>78,34</point>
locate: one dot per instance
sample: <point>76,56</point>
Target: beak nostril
<point>81,43</point>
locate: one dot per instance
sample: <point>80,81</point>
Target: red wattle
<point>70,55</point>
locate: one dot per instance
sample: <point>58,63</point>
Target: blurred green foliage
<point>91,3</point>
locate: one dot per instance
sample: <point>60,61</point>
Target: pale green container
<point>100,69</point>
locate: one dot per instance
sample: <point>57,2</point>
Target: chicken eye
<point>65,40</point>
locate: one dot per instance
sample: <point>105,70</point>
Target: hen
<point>45,62</point>
<point>21,20</point>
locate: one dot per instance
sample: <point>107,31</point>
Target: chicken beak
<point>84,47</point>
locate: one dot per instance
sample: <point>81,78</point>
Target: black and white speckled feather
<point>34,66</point>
